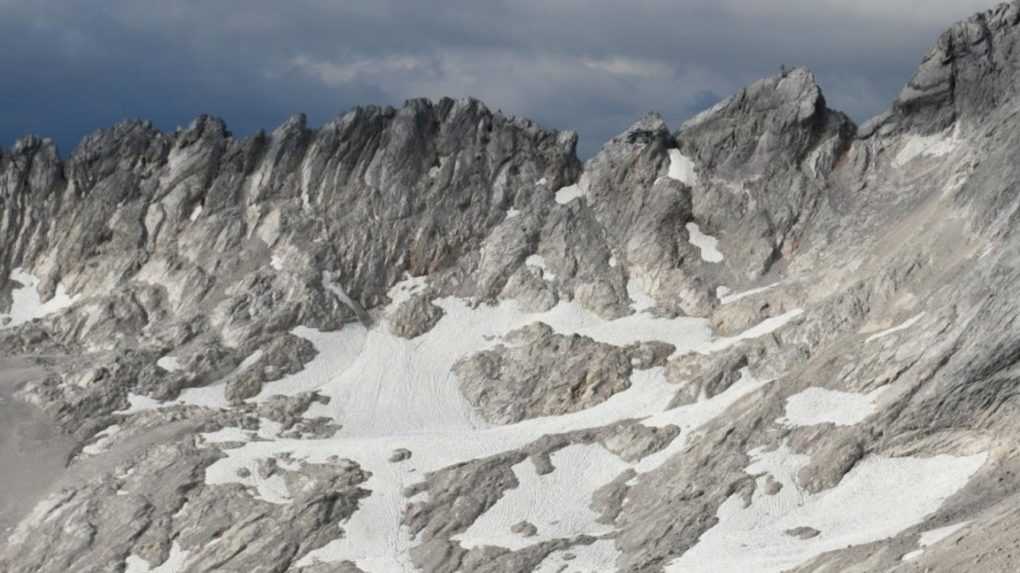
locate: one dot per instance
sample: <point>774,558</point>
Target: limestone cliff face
<point>431,338</point>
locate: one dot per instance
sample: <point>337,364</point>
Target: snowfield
<point>388,393</point>
<point>856,511</point>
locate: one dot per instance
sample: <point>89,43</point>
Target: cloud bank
<point>593,66</point>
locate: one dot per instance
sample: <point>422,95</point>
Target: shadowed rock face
<point>487,356</point>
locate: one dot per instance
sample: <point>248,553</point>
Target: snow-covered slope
<point>430,338</point>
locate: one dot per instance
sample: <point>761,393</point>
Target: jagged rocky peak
<point>428,338</point>
<point>971,70</point>
<point>778,119</point>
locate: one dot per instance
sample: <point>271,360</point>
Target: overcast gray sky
<point>593,66</point>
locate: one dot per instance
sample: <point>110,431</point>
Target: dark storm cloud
<point>593,66</point>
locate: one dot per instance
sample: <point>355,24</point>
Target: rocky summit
<point>432,339</point>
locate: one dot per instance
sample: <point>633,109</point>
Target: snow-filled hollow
<point>27,305</point>
<point>707,244</point>
<point>682,168</point>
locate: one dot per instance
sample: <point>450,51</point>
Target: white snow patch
<point>213,396</point>
<point>558,503</point>
<point>709,245</point>
<point>511,213</point>
<point>935,145</point>
<point>169,363</point>
<point>854,512</point>
<point>613,262</point>
<point>27,305</point>
<point>682,168</point>
<point>730,297</point>
<point>227,434</point>
<point>196,213</point>
<point>569,193</point>
<point>820,406</point>
<point>905,325</point>
<point>135,564</point>
<point>764,327</point>
<point>931,537</point>
<point>138,403</point>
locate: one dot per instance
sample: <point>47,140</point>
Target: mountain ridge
<point>430,338</point>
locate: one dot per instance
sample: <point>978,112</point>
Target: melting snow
<point>916,146</point>
<point>929,538</point>
<point>907,324</point>
<point>709,245</point>
<point>682,168</point>
<point>26,303</point>
<point>399,393</point>
<point>854,512</point>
